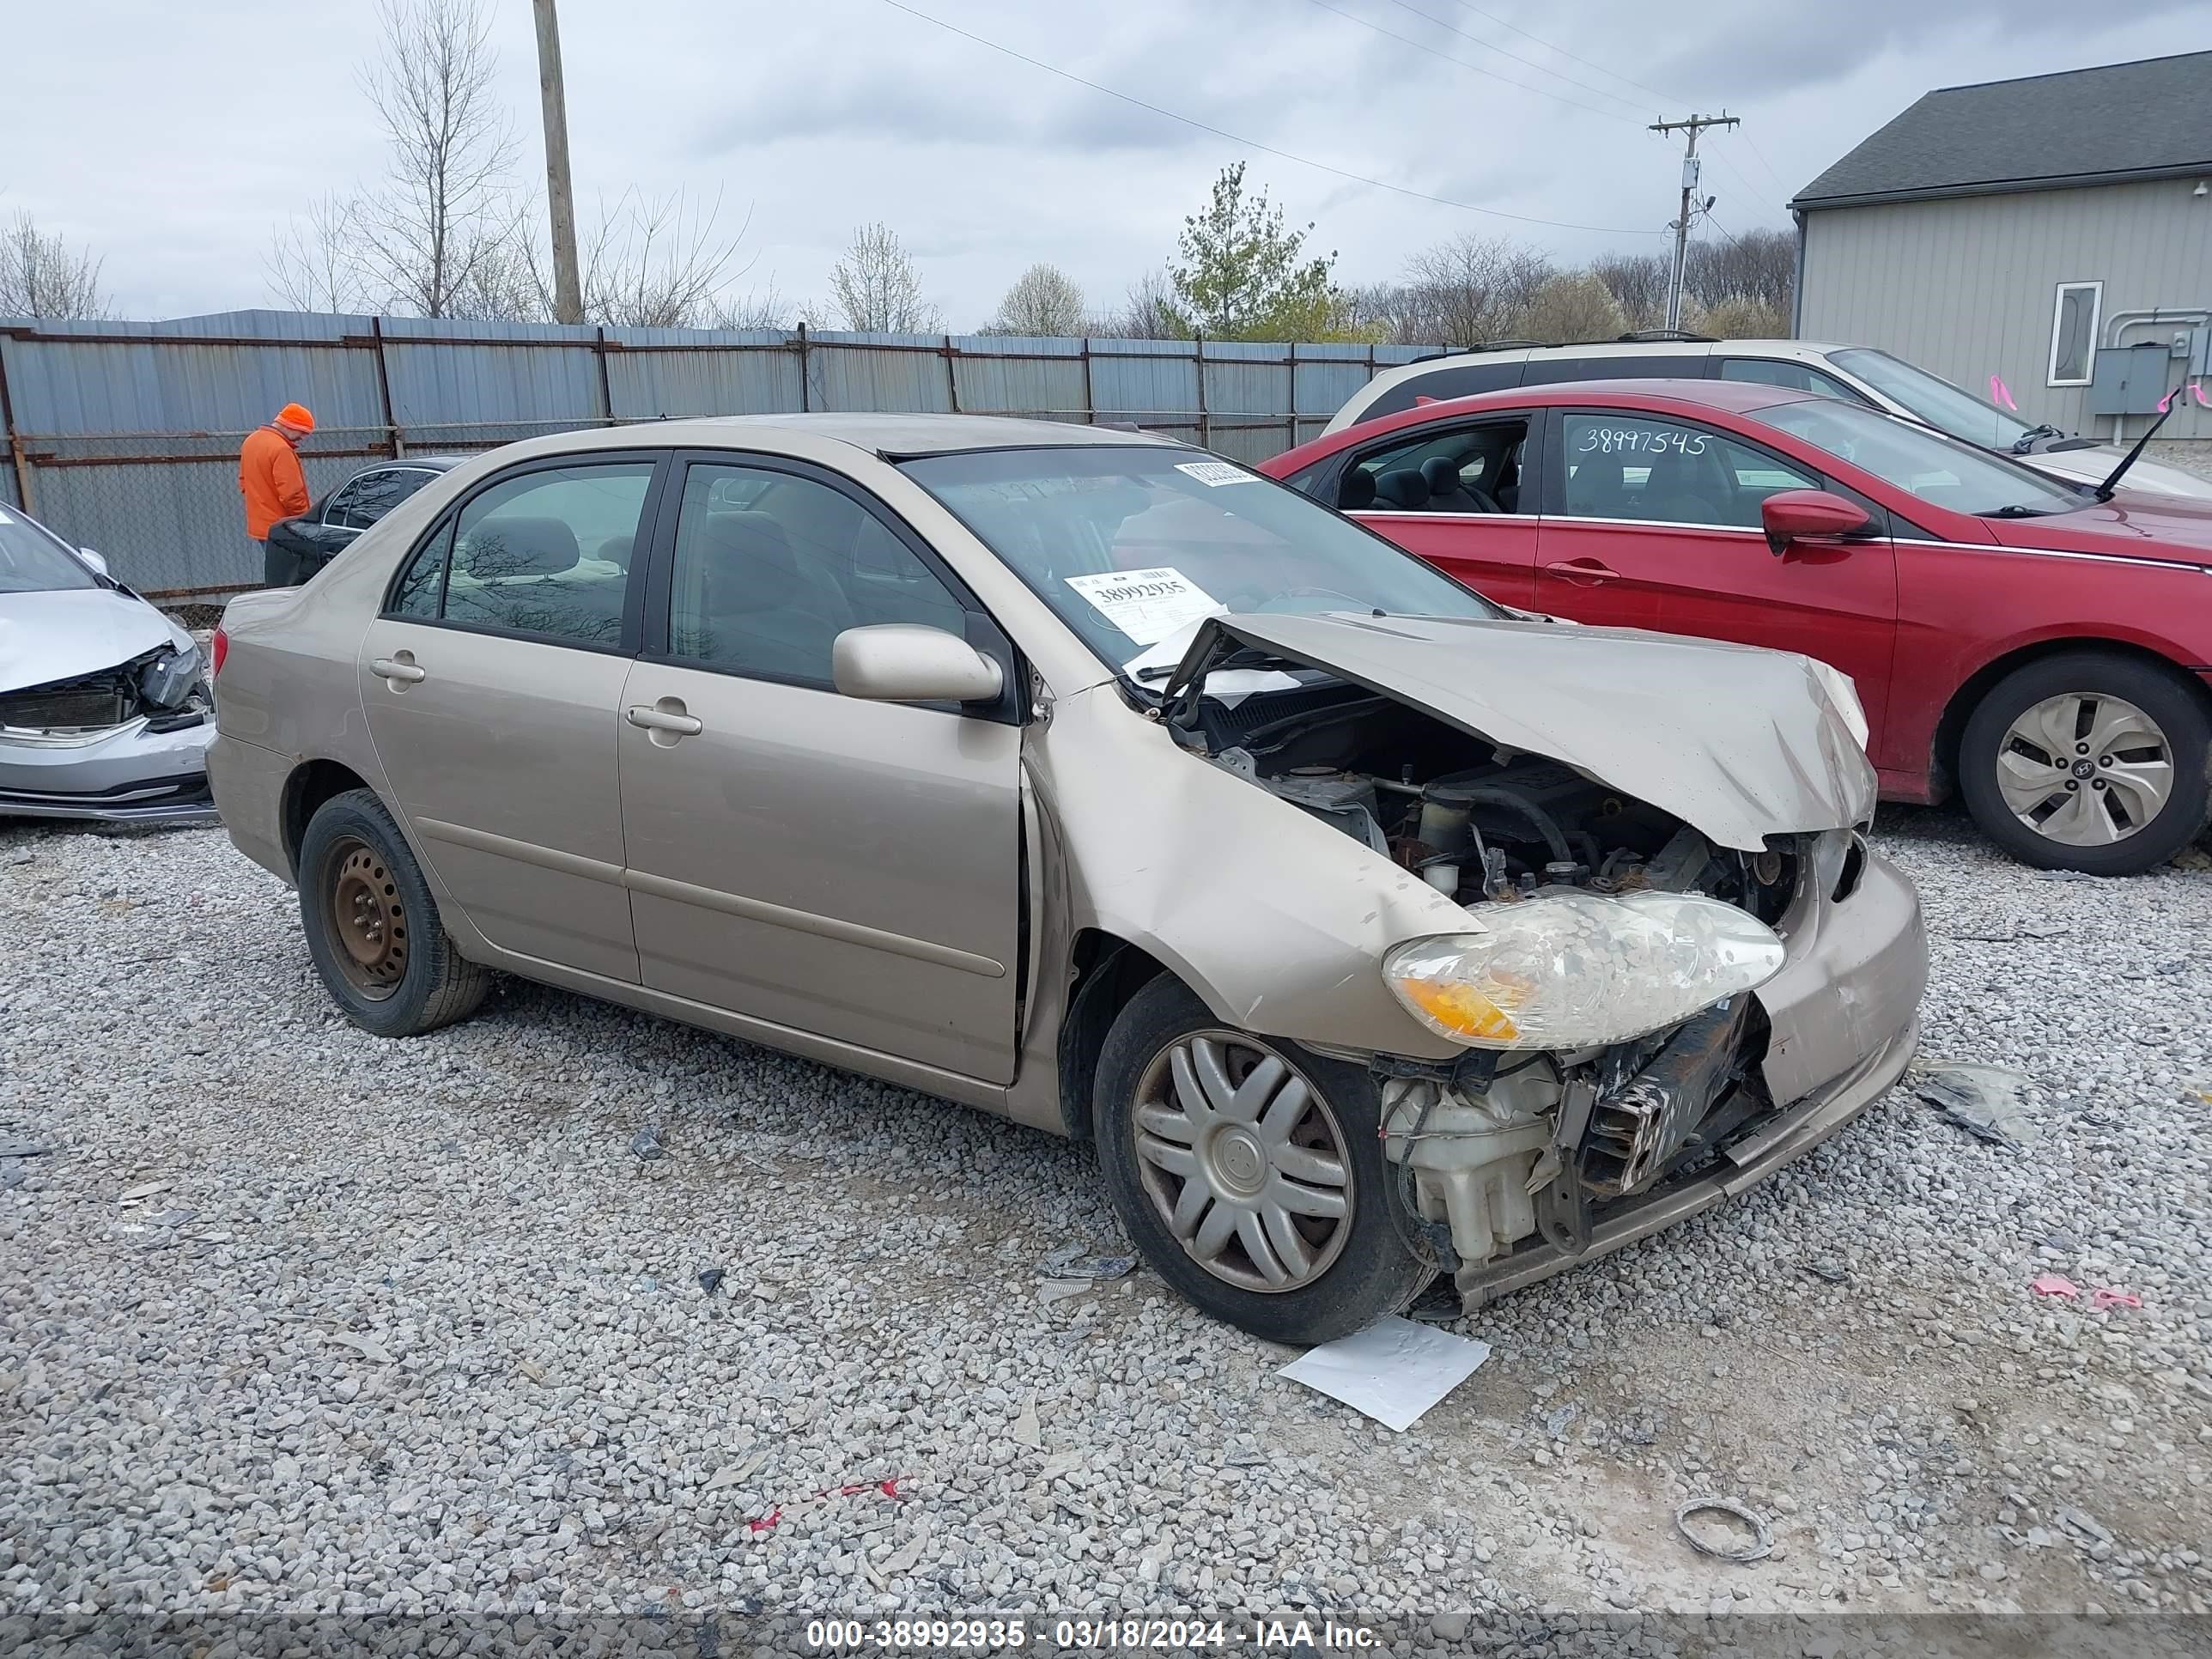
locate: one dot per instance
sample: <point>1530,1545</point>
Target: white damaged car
<point>105,711</point>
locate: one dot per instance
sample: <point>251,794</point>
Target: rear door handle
<point>1584,571</point>
<point>664,720</point>
<point>388,668</point>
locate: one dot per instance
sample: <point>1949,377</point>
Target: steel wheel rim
<point>2085,769</point>
<point>1244,1161</point>
<point>368,922</point>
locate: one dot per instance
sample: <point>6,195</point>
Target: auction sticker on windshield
<point>1213,474</point>
<point>1147,605</point>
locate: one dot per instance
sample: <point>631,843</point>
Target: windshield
<point>1132,544</point>
<point>32,562</point>
<point>1938,470</point>
<point>1946,407</point>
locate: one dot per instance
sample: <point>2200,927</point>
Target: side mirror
<point>905,662</point>
<point>1808,515</point>
<point>95,559</point>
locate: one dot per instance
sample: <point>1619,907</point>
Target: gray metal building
<point>2055,232</point>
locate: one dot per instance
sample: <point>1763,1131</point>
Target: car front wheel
<point>1250,1172</point>
<point>2088,761</point>
<point>372,926</point>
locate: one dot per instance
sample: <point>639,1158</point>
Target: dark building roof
<point>2147,120</point>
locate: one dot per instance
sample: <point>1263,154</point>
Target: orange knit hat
<point>296,414</point>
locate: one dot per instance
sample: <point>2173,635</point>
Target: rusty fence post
<point>392,434</point>
<point>805,391</point>
<point>951,376</point>
<point>15,455</point>
<point>606,387</point>
<point>1089,397</point>
<point>1198,363</point>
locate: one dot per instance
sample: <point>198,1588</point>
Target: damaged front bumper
<point>144,771</point>
<point>1542,1170</point>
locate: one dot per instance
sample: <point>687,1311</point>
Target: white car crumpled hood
<point>50,636</point>
<point>1739,742</point>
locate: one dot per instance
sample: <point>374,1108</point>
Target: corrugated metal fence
<point>123,436</point>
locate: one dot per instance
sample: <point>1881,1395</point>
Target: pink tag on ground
<point>2054,1285</point>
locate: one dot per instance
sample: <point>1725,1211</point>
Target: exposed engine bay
<point>162,686</point>
<point>1497,1150</point>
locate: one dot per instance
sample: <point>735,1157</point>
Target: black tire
<point>419,981</point>
<point>2179,711</point>
<point>1365,1274</point>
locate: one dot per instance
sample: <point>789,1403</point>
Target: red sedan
<point>2047,653</point>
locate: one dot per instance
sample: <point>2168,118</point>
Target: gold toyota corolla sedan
<point>1370,930</point>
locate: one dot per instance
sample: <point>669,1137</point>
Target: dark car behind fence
<point>123,436</point>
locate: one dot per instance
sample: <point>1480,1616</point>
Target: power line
<point>1431,51</point>
<point>1667,98</point>
<point>1543,69</point>
<point>1254,143</point>
<point>1779,183</point>
<point>1741,178</point>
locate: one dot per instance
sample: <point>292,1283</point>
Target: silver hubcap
<point>1244,1161</point>
<point>2085,769</point>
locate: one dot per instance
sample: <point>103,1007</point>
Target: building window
<point>2074,332</point>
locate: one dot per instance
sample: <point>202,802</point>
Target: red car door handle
<point>1584,571</point>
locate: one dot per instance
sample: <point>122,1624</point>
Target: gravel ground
<point>291,1318</point>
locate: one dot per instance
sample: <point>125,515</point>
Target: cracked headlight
<point>1571,970</point>
<point>167,681</point>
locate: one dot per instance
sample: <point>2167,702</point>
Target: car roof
<point>1578,349</point>
<point>886,435</point>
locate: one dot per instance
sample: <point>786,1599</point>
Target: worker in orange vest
<point>270,478</point>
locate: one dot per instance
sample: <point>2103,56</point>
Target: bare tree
<point>1573,308</point>
<point>446,207</point>
<point>1638,283</point>
<point>41,276</point>
<point>1467,290</point>
<point>759,308</point>
<point>1044,302</point>
<point>1740,317</point>
<point>1147,313</point>
<point>1759,265</point>
<point>314,263</point>
<point>658,262</point>
<point>877,288</point>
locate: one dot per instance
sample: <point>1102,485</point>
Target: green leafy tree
<point>1239,273</point>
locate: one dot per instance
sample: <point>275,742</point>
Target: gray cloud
<point>140,129</point>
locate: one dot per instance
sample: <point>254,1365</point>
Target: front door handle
<point>667,716</point>
<point>1583,573</point>
<point>401,668</point>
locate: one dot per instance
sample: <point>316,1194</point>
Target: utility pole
<point>560,195</point>
<point>1694,126</point>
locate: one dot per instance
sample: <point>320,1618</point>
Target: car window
<point>340,510</point>
<point>33,561</point>
<point>1458,380</point>
<point>1911,456</point>
<point>372,495</point>
<point>770,567</point>
<point>522,556</point>
<point>1946,407</point>
<point>1770,371</point>
<point>1544,370</point>
<point>1133,545</point>
<point>1474,468</point>
<point>1668,471</point>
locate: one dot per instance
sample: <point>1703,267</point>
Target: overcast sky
<point>175,139</point>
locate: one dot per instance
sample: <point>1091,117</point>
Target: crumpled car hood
<point>1738,742</point>
<point>45,637</point>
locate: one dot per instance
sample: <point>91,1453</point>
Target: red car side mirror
<point>1808,515</point>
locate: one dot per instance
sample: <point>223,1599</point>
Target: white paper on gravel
<point>1394,1370</point>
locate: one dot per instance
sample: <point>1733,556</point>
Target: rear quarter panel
<point>1961,609</point>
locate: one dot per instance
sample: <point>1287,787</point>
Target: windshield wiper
<point>2110,487</point>
<point>2020,510</point>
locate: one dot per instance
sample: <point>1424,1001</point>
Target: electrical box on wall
<point>2129,379</point>
<point>2200,349</point>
